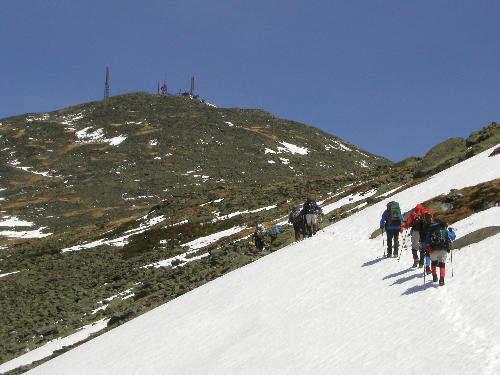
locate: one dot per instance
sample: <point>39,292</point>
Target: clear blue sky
<point>392,76</point>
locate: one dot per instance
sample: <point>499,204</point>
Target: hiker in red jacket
<point>415,222</point>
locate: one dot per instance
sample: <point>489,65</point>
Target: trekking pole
<point>383,241</point>
<point>403,247</point>
<point>424,267</point>
<point>451,263</point>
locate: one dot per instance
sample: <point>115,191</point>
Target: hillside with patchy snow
<point>328,304</point>
<point>150,194</point>
<point>90,167</point>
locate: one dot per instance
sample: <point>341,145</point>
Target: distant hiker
<point>391,220</point>
<point>415,222</point>
<point>261,233</point>
<point>298,221</point>
<point>311,210</point>
<point>274,233</point>
<point>258,236</point>
<point>437,241</point>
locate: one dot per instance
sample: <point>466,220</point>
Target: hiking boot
<point>428,270</point>
<point>420,265</point>
<point>395,255</point>
<point>415,264</point>
<point>441,281</point>
<point>435,278</point>
<point>389,255</point>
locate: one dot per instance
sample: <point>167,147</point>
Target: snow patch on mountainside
<point>289,147</point>
<point>97,136</point>
<point>12,222</point>
<point>120,241</point>
<point>207,240</point>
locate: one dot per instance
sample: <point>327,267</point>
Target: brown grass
<point>147,129</point>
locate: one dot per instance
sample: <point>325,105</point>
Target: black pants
<point>297,227</point>
<point>392,234</point>
<point>259,243</point>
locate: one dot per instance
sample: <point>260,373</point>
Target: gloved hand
<point>401,229</point>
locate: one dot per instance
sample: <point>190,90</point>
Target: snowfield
<point>326,305</point>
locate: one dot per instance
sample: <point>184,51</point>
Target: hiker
<point>311,210</point>
<point>391,220</point>
<point>427,220</point>
<point>258,236</point>
<point>297,220</point>
<point>274,234</point>
<point>415,222</point>
<point>261,232</point>
<point>437,241</point>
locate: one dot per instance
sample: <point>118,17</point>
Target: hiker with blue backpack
<point>261,232</point>
<point>391,221</point>
<point>438,243</point>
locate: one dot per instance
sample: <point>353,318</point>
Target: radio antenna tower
<point>192,86</point>
<point>106,84</point>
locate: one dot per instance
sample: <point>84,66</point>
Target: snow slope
<point>326,305</point>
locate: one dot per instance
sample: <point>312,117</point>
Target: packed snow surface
<point>348,200</point>
<point>327,305</point>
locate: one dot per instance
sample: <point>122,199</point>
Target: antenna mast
<point>106,84</point>
<point>192,86</point>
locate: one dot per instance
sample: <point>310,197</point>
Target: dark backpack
<point>310,207</point>
<point>394,213</point>
<point>417,222</point>
<point>439,238</point>
<point>294,215</point>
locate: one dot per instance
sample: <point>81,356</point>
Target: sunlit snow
<point>293,148</point>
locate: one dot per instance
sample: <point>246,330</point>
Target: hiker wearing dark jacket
<point>392,227</point>
<point>427,220</point>
<point>437,242</point>
<point>258,236</point>
<point>311,210</point>
<point>297,220</point>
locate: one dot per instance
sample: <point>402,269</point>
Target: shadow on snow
<point>408,278</point>
<point>419,288</point>
<point>372,262</point>
<point>396,274</point>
